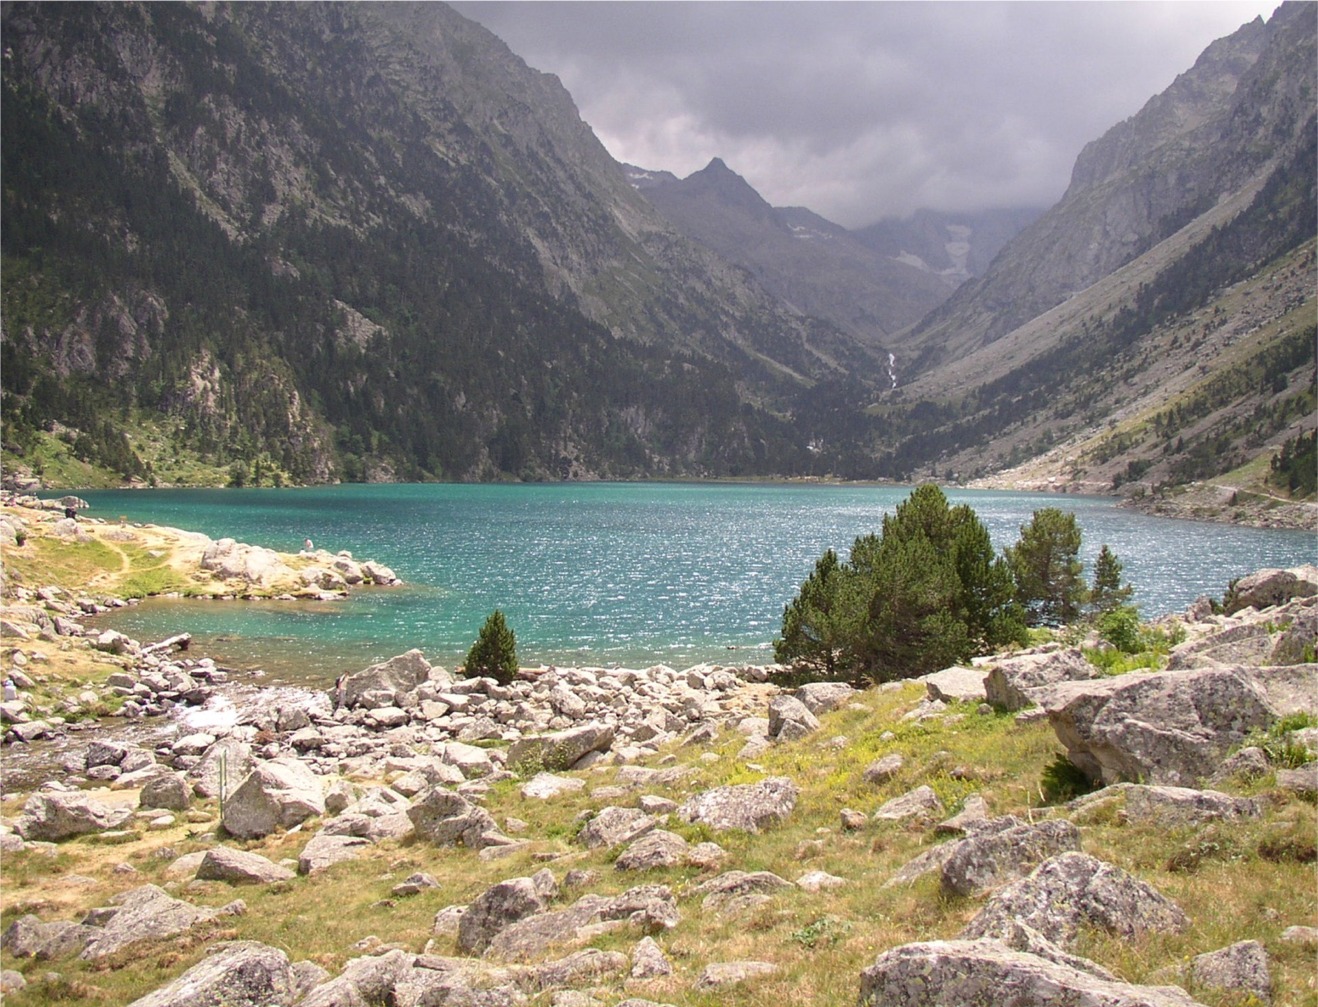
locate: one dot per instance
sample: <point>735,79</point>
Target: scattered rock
<point>238,974</point>
<point>749,806</point>
<point>921,804</point>
<point>720,974</point>
<point>240,867</point>
<point>277,794</point>
<point>985,861</point>
<point>1242,966</point>
<point>987,974</point>
<point>615,826</point>
<point>50,817</point>
<point>1015,682</point>
<point>956,685</point>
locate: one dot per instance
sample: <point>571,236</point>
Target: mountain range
<point>273,243</point>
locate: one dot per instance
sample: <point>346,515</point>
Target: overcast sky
<point>864,110</point>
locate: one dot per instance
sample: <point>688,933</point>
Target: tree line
<point>929,591</point>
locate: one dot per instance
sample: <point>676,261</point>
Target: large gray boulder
<point>955,685</point>
<point>448,819</point>
<point>614,826</point>
<point>1180,806</point>
<point>324,851</point>
<point>55,816</point>
<point>790,719</point>
<point>240,867</point>
<point>391,683</point>
<point>647,909</point>
<point>251,564</point>
<point>824,697</point>
<point>1072,890</point>
<point>1242,966</point>
<point>749,806</point>
<point>29,937</point>
<point>1172,727</point>
<point>920,804</point>
<point>1013,683</point>
<point>502,905</point>
<point>277,794</point>
<point>145,913</point>
<point>166,790</point>
<point>1270,587</point>
<point>238,974</point>
<point>989,859</point>
<point>561,749</point>
<point>224,765</point>
<point>979,973</point>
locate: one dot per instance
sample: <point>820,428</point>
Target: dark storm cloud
<point>864,110</point>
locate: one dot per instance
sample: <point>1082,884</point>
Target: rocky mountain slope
<point>809,263</point>
<point>954,246</point>
<point>348,242</point>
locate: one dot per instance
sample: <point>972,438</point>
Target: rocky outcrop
<point>277,794</point>
<point>145,913</point>
<point>1018,681</point>
<point>50,817</point>
<point>992,858</point>
<point>239,974</point>
<point>648,909</point>
<point>1170,728</point>
<point>1269,588</point>
<point>749,807</point>
<point>1073,890</point>
<point>985,973</point>
<point>390,683</point>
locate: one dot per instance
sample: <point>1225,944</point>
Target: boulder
<point>986,860</point>
<point>790,719</point>
<point>1240,967</point>
<point>615,826</point>
<point>560,750</point>
<point>449,819</point>
<point>543,786</point>
<point>649,960</point>
<point>719,974</point>
<point>145,913</point>
<point>649,909</point>
<point>502,905</point>
<point>29,937</point>
<point>1072,890</point>
<point>955,685</point>
<point>277,794</point>
<point>1013,683</point>
<point>883,769</point>
<point>239,867</point>
<point>824,697</point>
<point>749,807</point>
<point>224,765</point>
<point>733,892</point>
<point>1178,806</point>
<point>652,851</point>
<point>237,974</point>
<point>979,973</point>
<point>323,851</point>
<point>1269,587</point>
<point>921,804</point>
<point>254,565</point>
<point>382,685</point>
<point>166,790</point>
<point>52,817</point>
<point>1172,727</point>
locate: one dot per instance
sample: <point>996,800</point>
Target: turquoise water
<point>599,573</point>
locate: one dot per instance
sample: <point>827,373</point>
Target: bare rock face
<point>1073,890</point>
<point>277,794</point>
<point>1013,683</point>
<point>240,974</point>
<point>1162,728</point>
<point>987,974</point>
<point>749,806</point>
<point>52,817</point>
<point>990,859</point>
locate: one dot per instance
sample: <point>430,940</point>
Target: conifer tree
<point>1107,594</point>
<point>1047,573</point>
<point>494,654</point>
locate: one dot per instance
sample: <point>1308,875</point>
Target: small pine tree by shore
<point>494,654</point>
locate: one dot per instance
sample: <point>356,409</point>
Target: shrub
<point>1121,628</point>
<point>494,654</point>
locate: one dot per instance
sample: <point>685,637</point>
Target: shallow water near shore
<point>627,574</point>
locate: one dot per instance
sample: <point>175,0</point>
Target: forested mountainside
<point>309,242</point>
<point>324,241</point>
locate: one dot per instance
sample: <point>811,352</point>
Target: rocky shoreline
<point>404,756</point>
